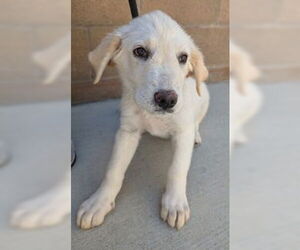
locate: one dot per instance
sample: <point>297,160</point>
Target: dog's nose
<point>166,99</point>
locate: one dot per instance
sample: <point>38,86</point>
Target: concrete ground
<point>265,175</point>
<point>36,136</point>
<point>135,222</point>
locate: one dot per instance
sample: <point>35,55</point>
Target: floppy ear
<point>246,72</point>
<point>199,70</point>
<point>242,67</point>
<point>104,53</point>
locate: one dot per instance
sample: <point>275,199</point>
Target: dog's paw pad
<point>39,213</point>
<point>175,210</point>
<point>241,138</point>
<point>93,211</point>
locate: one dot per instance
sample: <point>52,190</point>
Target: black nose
<point>166,99</point>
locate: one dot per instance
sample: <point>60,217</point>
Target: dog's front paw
<point>92,212</point>
<point>175,209</point>
<point>44,210</point>
<point>241,138</point>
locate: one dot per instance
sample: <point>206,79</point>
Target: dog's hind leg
<point>198,138</point>
<point>240,137</point>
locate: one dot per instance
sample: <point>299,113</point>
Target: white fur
<point>141,79</point>
<point>46,209</point>
<point>245,97</point>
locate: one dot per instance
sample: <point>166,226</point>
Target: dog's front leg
<point>92,212</point>
<point>175,209</point>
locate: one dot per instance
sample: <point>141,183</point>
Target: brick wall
<point>270,31</point>
<point>206,21</point>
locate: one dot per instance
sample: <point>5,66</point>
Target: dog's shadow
<point>148,169</point>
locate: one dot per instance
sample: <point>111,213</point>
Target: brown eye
<point>141,53</point>
<point>182,58</point>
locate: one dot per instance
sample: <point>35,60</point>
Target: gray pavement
<point>135,224</point>
<point>37,138</point>
<point>265,175</point>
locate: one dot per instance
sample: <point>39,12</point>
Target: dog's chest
<point>156,126</point>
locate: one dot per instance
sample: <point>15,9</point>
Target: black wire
<point>134,13</point>
<point>133,8</point>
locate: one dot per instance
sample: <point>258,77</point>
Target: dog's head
<point>154,55</point>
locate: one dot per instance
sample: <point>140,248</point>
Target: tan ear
<point>246,72</point>
<point>199,70</point>
<point>242,67</point>
<point>104,53</point>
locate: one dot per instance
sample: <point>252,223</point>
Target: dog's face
<point>154,56</point>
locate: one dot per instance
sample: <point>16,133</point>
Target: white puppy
<point>162,74</point>
<point>245,97</point>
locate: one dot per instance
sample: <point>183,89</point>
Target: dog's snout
<point>166,99</point>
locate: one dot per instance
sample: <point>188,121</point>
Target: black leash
<point>134,13</point>
<point>133,8</point>
<point>73,154</point>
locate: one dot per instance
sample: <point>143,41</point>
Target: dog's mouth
<point>164,111</point>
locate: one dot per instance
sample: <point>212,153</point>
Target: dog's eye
<point>141,52</point>
<point>182,58</point>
